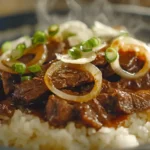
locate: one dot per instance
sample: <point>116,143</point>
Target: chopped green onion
<point>94,41</point>
<point>26,78</point>
<point>19,68</point>
<point>6,46</point>
<point>86,47</point>
<point>18,52</point>
<point>111,54</point>
<point>34,68</point>
<point>90,44</point>
<point>53,29</point>
<point>75,53</point>
<point>39,37</point>
<point>21,46</point>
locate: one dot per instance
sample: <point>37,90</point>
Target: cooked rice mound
<point>29,132</point>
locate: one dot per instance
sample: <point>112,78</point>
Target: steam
<point>132,17</point>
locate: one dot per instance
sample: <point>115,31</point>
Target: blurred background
<point>23,17</point>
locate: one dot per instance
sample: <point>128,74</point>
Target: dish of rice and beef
<point>73,87</point>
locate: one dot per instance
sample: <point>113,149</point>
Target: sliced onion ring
<point>139,47</point>
<point>86,58</point>
<point>40,52</point>
<point>5,56</point>
<point>95,72</point>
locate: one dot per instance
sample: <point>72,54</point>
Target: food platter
<point>145,147</point>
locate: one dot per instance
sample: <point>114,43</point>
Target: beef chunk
<point>58,111</point>
<point>100,60</point>
<point>92,114</point>
<point>8,82</point>
<point>6,108</point>
<point>28,91</point>
<point>125,102</point>
<point>130,62</point>
<point>142,83</point>
<point>54,47</point>
<point>68,77</point>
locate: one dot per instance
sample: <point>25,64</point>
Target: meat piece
<point>130,62</point>
<point>142,83</point>
<point>68,77</point>
<point>26,58</point>
<point>58,111</point>
<point>8,82</point>
<point>28,91</point>
<point>125,102</point>
<point>54,47</point>
<point>6,108</point>
<point>92,114</point>
<point>100,60</point>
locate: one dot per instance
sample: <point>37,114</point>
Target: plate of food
<point>75,87</point>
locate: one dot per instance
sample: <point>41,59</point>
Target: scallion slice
<point>111,54</point>
<point>26,78</point>
<point>35,68</point>
<point>39,37</point>
<point>86,47</point>
<point>6,46</point>
<point>19,68</point>
<point>53,29</point>
<point>94,41</point>
<point>90,44</point>
<point>75,53</point>
<point>18,52</point>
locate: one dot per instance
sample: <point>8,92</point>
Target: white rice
<point>28,132</point>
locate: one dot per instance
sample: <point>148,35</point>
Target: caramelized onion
<point>40,53</point>
<point>6,56</point>
<point>95,72</point>
<point>129,43</point>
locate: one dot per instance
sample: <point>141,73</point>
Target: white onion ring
<point>139,47</point>
<point>86,58</point>
<point>95,72</point>
<point>7,54</point>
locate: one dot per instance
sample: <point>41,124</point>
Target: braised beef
<point>118,96</point>
<point>6,108</point>
<point>26,58</point>
<point>7,81</point>
<point>92,114</point>
<point>54,47</point>
<point>69,77</point>
<point>58,111</point>
<point>142,83</point>
<point>28,91</point>
<point>130,62</point>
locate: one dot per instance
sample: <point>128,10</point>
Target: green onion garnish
<point>39,37</point>
<point>26,78</point>
<point>90,44</point>
<point>6,46</point>
<point>94,41</point>
<point>35,68</point>
<point>111,54</point>
<point>86,47</point>
<point>18,52</point>
<point>75,53</point>
<point>53,29</point>
<point>19,68</point>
